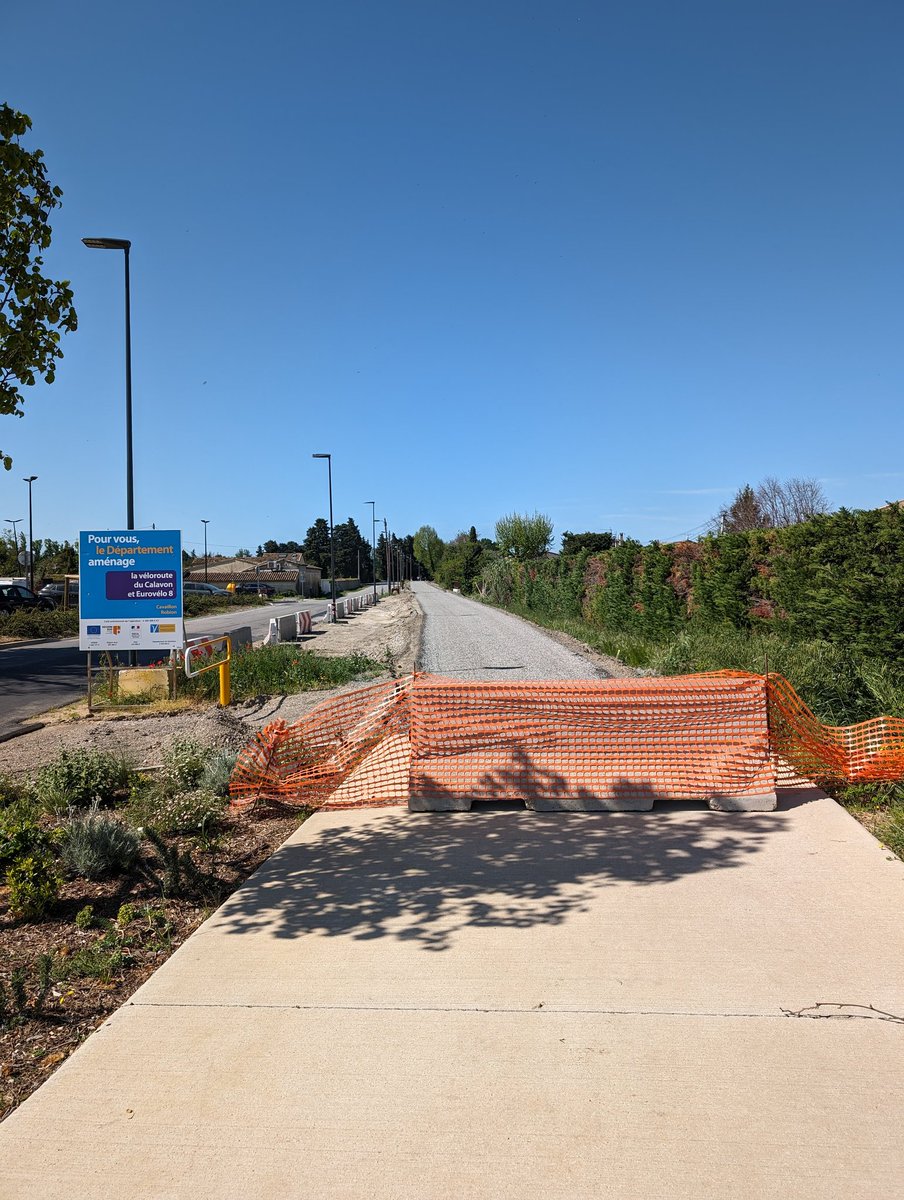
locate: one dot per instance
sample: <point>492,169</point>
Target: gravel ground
<point>469,640</point>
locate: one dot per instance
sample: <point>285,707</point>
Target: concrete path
<point>508,1005</point>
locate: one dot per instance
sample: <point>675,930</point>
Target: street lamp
<point>124,245</point>
<point>373,544</point>
<point>329,466</point>
<point>205,523</point>
<point>14,523</point>
<point>31,542</point>
<point>388,558</point>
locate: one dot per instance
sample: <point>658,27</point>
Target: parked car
<point>54,592</point>
<point>256,589</point>
<point>203,589</point>
<point>15,597</point>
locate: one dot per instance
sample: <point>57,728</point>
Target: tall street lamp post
<point>31,541</point>
<point>373,543</point>
<point>125,246</point>
<point>329,466</point>
<point>205,523</point>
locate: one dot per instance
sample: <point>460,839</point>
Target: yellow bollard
<point>225,684</point>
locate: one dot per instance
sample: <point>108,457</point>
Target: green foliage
<point>34,309</point>
<point>95,844</point>
<point>351,548</point>
<point>38,623</point>
<point>76,778</point>
<point>593,543</point>
<point>101,961</point>
<point>460,564</point>
<point>184,761</point>
<point>841,577</point>
<point>84,918</point>
<point>177,875</point>
<point>41,976</point>
<point>316,546</point>
<point>524,535</point>
<point>34,885</point>
<point>429,549</point>
<point>282,670</point>
<point>196,604</point>
<point>218,772</point>
<point>171,812</point>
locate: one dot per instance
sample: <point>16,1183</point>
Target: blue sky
<point>608,261</point>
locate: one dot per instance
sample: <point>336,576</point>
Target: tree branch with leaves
<point>34,310</point>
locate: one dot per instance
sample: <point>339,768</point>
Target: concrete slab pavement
<point>508,1004</point>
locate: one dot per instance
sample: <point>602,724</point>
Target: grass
<point>282,670</point>
<point>839,686</point>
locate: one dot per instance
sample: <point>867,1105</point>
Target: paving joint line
<point>538,1010</point>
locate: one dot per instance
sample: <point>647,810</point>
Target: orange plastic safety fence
<point>872,750</point>
<point>425,738</point>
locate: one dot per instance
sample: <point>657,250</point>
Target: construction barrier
<point>303,621</point>
<point>435,743</point>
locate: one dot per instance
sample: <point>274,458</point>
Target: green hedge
<point>37,623</point>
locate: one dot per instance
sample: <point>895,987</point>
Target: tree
<point>428,549</point>
<point>772,505</point>
<point>33,308</point>
<point>351,549</point>
<point>596,543</point>
<point>316,546</point>
<point>524,535</point>
<point>790,503</point>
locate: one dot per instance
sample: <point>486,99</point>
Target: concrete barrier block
<point>304,623</point>
<point>288,627</point>
<point>241,638</point>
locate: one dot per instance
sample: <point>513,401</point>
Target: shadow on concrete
<point>422,877</point>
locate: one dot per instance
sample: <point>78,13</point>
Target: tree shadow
<point>422,877</point>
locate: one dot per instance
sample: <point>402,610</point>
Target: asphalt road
<point>469,640</point>
<point>36,676</point>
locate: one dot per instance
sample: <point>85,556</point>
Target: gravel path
<point>469,640</point>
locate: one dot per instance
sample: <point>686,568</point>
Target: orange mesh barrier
<point>872,750</point>
<point>425,738</point>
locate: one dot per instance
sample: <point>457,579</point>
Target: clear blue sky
<point>609,261</point>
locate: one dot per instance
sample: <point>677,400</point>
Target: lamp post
<point>373,543</point>
<point>125,246</point>
<point>205,523</point>
<point>329,466</point>
<point>388,558</point>
<point>31,542</point>
<point>14,522</point>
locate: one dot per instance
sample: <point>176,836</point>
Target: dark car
<point>255,589</point>
<point>15,596</point>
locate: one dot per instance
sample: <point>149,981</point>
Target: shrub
<point>36,623</point>
<point>84,918</point>
<point>34,885</point>
<point>44,971</point>
<point>21,832</point>
<point>218,772</point>
<point>94,844</point>
<point>183,764</point>
<point>189,812</point>
<point>76,778</point>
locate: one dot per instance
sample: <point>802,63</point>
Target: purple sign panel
<point>141,585</point>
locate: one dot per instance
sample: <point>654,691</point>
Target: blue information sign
<point>130,589</point>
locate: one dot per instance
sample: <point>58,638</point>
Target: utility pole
<point>388,558</point>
